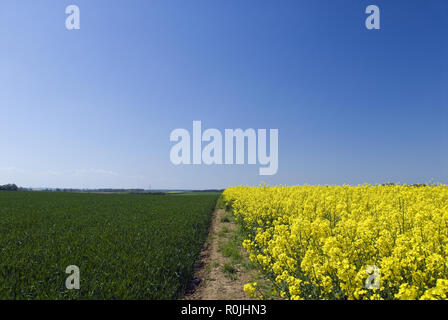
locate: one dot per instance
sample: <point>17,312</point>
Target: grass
<point>224,231</point>
<point>230,271</point>
<point>225,218</point>
<point>230,247</point>
<point>126,246</point>
<point>220,204</point>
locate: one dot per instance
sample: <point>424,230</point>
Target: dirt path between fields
<point>214,283</point>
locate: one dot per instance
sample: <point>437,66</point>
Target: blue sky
<point>95,107</point>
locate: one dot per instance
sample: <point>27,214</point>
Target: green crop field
<point>126,246</point>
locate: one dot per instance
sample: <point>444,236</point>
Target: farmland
<point>126,246</point>
<point>347,242</point>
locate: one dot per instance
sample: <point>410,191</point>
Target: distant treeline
<point>152,193</point>
<point>105,190</point>
<point>9,187</point>
<point>13,187</point>
<point>411,185</point>
<point>134,191</point>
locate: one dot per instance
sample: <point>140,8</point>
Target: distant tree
<point>9,187</point>
<point>419,185</point>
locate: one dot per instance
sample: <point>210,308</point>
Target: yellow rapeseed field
<point>347,242</point>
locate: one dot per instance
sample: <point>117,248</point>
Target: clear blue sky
<point>95,107</point>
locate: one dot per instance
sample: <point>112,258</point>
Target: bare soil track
<point>214,283</point>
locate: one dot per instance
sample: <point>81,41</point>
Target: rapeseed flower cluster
<point>322,242</point>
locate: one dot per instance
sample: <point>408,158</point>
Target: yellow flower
<point>316,242</point>
<point>250,289</point>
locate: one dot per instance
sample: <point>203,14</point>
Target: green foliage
<point>230,271</point>
<point>220,204</point>
<point>126,246</point>
<point>232,247</point>
<point>9,187</point>
<point>225,218</point>
<point>224,231</point>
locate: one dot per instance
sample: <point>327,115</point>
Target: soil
<point>214,284</point>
